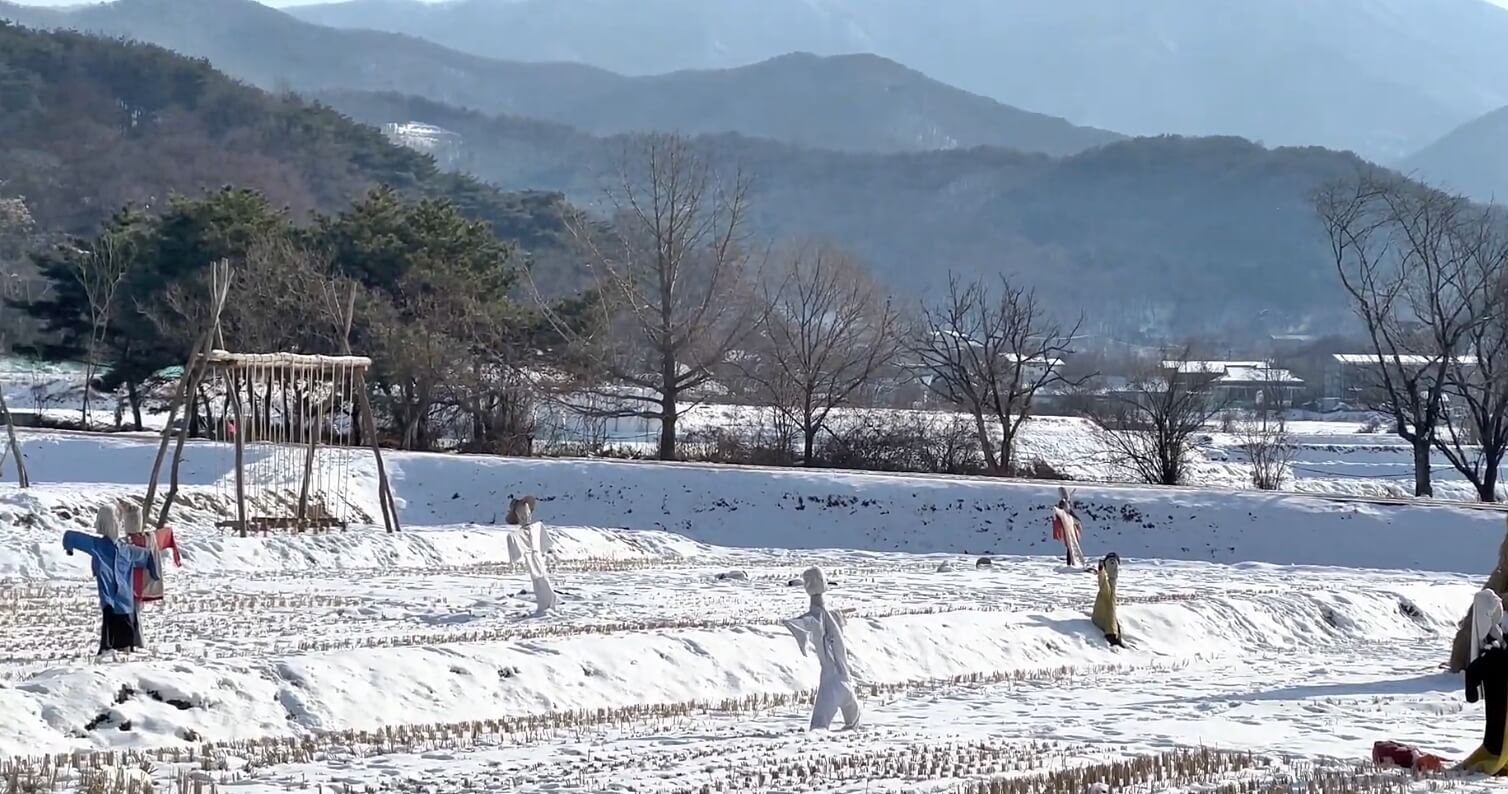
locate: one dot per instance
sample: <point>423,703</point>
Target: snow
<point>1279,624</point>
<point>1293,626</point>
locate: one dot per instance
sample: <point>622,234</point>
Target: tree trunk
<point>668,419</point>
<point>1422,484</point>
<point>1487,490</point>
<point>1007,450</point>
<point>133,394</point>
<point>1170,462</point>
<point>808,442</point>
<point>88,378</point>
<point>991,463</point>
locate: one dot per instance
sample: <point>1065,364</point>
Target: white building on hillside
<point>1245,384</point>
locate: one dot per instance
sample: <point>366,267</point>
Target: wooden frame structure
<point>208,357</point>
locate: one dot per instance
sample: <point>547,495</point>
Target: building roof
<point>1366,359</point>
<point>1233,372</point>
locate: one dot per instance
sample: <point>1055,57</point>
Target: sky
<point>286,3</point>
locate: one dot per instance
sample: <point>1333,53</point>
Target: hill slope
<point>1166,234</point>
<point>1383,77</point>
<point>861,103</point>
<point>1472,159</point>
<point>89,125</point>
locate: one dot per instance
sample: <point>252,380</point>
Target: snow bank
<point>805,510</point>
<point>786,508</point>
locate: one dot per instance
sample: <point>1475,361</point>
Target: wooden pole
<point>193,372</point>
<point>182,436</point>
<point>182,395</point>
<point>303,491</point>
<point>369,429</point>
<point>369,423</point>
<point>235,407</point>
<point>15,445</point>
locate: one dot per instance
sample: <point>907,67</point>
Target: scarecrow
<point>820,630</point>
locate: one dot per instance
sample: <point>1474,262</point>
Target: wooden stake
<point>303,491</point>
<point>182,436</point>
<point>369,423</point>
<point>193,373</point>
<point>15,446</point>
<point>369,429</point>
<point>182,395</point>
<point>235,407</point>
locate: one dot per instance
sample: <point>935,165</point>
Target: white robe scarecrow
<point>820,630</point>
<point>1486,622</point>
<point>529,544</point>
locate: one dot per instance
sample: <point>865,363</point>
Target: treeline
<point>90,125</point>
<point>1427,272</point>
<point>436,302</point>
<point>686,307</point>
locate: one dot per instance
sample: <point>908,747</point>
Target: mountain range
<point>1382,77</point>
<point>855,103</point>
<point>89,126</point>
<point>1472,159</point>
<point>1163,235</point>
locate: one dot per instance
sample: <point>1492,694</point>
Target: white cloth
<point>1486,621</point>
<point>528,544</point>
<point>823,633</point>
<point>105,523</point>
<point>1071,531</point>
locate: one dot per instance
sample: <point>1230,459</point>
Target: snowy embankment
<point>796,509</point>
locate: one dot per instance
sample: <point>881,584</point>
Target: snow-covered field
<point>1287,630</point>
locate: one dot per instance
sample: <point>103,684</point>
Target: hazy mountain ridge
<point>859,103</point>
<point>92,125</point>
<point>1472,159</point>
<point>1165,233</point>
<point>1384,77</point>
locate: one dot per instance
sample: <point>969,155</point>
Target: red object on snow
<point>1406,756</point>
<point>159,541</point>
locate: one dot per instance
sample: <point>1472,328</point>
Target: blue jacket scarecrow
<point>114,565</point>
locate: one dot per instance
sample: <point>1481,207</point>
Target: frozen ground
<point>430,630</point>
<point>1294,629</point>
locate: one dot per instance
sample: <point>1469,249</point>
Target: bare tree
<point>100,271</point>
<point>1475,440</point>
<point>672,271</point>
<point>1264,435</point>
<point>1393,243</point>
<point>1150,427</point>
<point>825,328</point>
<point>992,352</point>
